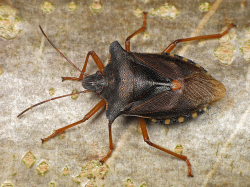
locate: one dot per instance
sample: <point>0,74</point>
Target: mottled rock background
<point>217,143</point>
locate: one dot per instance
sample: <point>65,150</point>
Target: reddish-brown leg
<point>127,42</point>
<point>97,61</point>
<point>212,36</point>
<point>146,139</point>
<point>86,117</point>
<point>110,144</point>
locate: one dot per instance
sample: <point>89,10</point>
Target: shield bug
<point>163,87</point>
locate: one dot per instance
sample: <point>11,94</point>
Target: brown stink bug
<point>163,87</point>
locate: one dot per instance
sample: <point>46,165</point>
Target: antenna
<point>60,51</point>
<point>85,91</point>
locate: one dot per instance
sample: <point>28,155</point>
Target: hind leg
<point>212,36</point>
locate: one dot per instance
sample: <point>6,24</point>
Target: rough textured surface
<point>217,144</point>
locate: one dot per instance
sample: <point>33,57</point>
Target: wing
<point>198,90</point>
<point>169,66</point>
<point>160,106</point>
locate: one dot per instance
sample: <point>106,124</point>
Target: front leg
<point>97,61</point>
<point>86,117</point>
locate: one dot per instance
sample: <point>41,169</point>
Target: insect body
<point>156,86</point>
<point>162,87</point>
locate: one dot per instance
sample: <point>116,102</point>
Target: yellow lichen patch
<point>77,179</point>
<point>75,96</point>
<point>143,185</point>
<point>138,129</point>
<point>42,168</point>
<point>96,7</point>
<point>168,11</point>
<point>224,53</point>
<point>65,171</point>
<point>47,7</point>
<point>145,35</point>
<point>172,55</point>
<point>7,185</point>
<point>204,7</point>
<point>129,183</point>
<point>9,20</point>
<point>202,43</point>
<point>1,70</point>
<point>152,12</point>
<point>248,33</point>
<point>72,7</point>
<point>138,12</point>
<point>51,91</point>
<point>166,130</point>
<point>92,173</point>
<point>28,159</point>
<point>248,78</point>
<point>246,50</point>
<point>228,37</point>
<point>178,149</point>
<point>52,184</point>
<point>61,135</point>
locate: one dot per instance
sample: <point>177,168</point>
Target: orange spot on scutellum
<point>176,85</point>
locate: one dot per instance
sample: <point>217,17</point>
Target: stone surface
<point>217,144</point>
